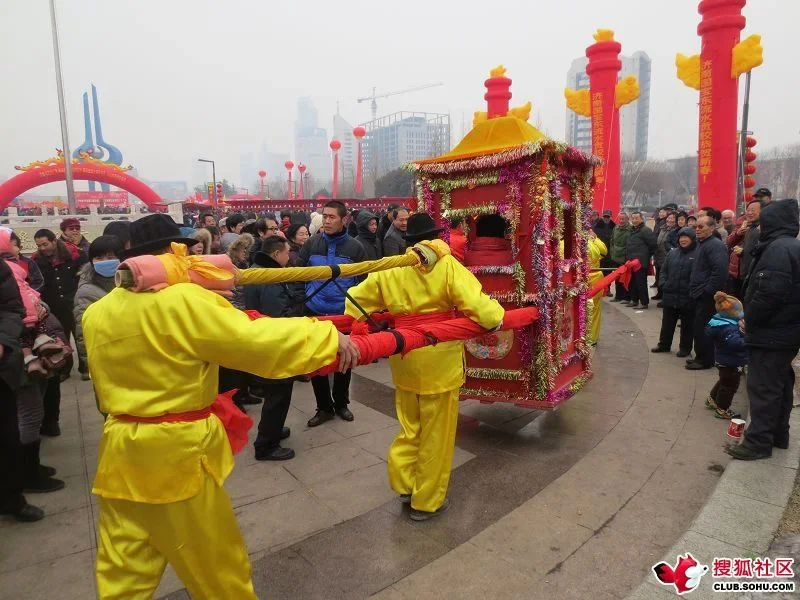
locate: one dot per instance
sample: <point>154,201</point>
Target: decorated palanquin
<point>524,201</point>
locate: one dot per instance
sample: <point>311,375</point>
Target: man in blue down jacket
<point>332,247</point>
<point>772,330</point>
<point>709,275</point>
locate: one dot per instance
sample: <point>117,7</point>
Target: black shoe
<point>275,453</point>
<point>643,307</point>
<point>617,300</point>
<point>683,353</point>
<point>656,297</point>
<point>345,414</point>
<point>422,515</point>
<point>783,444</point>
<point>660,305</point>
<point>696,366</point>
<point>689,360</point>
<point>633,305</point>
<point>50,429</point>
<point>47,471</point>
<point>26,513</point>
<point>405,498</point>
<point>744,452</point>
<point>285,433</point>
<point>42,485</point>
<point>658,349</point>
<point>320,418</point>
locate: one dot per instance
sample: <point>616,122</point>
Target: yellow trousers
<point>199,537</point>
<point>593,333</point>
<point>421,456</point>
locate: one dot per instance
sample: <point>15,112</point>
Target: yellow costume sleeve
<point>468,297</point>
<point>368,295</point>
<point>272,348</point>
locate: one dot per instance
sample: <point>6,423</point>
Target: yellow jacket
<point>410,290</point>
<point>158,353</point>
<point>596,251</point>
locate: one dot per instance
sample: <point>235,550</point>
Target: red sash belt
<point>189,415</point>
<point>412,320</point>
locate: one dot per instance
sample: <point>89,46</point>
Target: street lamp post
<point>214,178</point>
<point>62,113</point>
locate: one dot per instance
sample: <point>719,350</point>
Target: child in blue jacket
<point>730,353</point>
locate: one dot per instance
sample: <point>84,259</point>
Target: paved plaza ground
<point>578,503</point>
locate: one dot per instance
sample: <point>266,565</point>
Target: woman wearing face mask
<point>96,280</point>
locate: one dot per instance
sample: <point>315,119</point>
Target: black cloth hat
<point>154,232</point>
<point>420,225</point>
<point>607,213</point>
<point>762,192</point>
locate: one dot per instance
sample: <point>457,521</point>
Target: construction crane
<point>373,97</point>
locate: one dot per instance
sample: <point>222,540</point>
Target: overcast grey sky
<point>180,79</point>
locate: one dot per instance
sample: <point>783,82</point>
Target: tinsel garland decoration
<point>427,197</point>
<point>517,273</point>
<point>420,195</point>
<point>504,374</point>
<point>558,396</point>
<point>569,157</point>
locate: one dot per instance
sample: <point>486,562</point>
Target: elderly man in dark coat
<point>772,330</point>
<point>709,276</point>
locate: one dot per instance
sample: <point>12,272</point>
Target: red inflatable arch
<point>49,173</point>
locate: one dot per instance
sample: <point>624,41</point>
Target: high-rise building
<point>403,137</point>
<point>311,143</point>
<point>250,163</point>
<point>634,117</point>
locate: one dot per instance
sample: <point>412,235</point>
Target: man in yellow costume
<point>596,252</point>
<point>163,456</point>
<point>427,380</point>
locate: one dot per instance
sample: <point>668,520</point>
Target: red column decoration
<point>498,93</point>
<point>289,166</point>
<point>722,20</point>
<point>262,174</point>
<point>335,145</point>
<point>603,69</point>
<point>359,133</point>
<point>302,168</point>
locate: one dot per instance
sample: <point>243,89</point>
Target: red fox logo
<point>685,576</point>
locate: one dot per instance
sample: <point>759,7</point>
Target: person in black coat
<point>603,229</point>
<point>772,330</point>
<point>674,283</point>
<point>60,265</point>
<point>642,245</point>
<point>709,276</point>
<point>367,234</point>
<point>273,300</point>
<point>12,502</point>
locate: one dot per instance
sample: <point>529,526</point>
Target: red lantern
<point>750,142</point>
<point>748,196</point>
<point>302,168</point>
<point>359,133</point>
<point>262,174</point>
<point>749,169</point>
<point>335,145</point>
<point>749,182</point>
<point>750,156</point>
<point>289,166</point>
